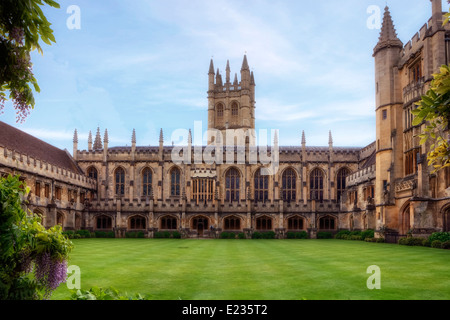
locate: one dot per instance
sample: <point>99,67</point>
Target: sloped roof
<point>22,142</point>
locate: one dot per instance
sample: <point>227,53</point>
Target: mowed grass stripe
<point>169,269</point>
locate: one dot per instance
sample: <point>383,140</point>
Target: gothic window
<point>104,222</point>
<point>261,187</point>
<point>220,111</point>
<point>234,109</point>
<point>264,223</point>
<point>199,223</point>
<point>37,189</point>
<point>232,223</point>
<point>232,185</point>
<point>406,220</point>
<point>92,173</point>
<point>47,191</point>
<point>447,221</point>
<point>60,219</point>
<point>340,183</point>
<point>175,182</point>
<point>289,185</point>
<point>202,189</point>
<point>137,223</point>
<point>58,193</point>
<point>416,72</point>
<point>411,162</point>
<point>296,223</point>
<point>120,181</point>
<point>327,223</point>
<point>316,185</point>
<point>146,182</point>
<point>168,223</point>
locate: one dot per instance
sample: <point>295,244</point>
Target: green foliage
<point>441,236</point>
<point>411,241</point>
<point>445,245</point>
<point>134,234</point>
<point>227,235</point>
<point>96,293</point>
<point>242,235</point>
<point>22,240</point>
<point>297,235</point>
<point>84,233</point>
<point>342,233</point>
<point>105,234</point>
<point>369,233</point>
<point>324,235</point>
<point>434,111</point>
<point>166,235</point>
<point>22,26</point>
<point>436,244</point>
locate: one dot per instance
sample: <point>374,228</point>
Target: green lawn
<point>171,269</point>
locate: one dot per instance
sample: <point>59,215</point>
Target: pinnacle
<point>106,138</point>
<point>388,35</point>
<point>133,136</point>
<point>211,67</point>
<point>98,141</point>
<point>245,64</point>
<point>75,136</point>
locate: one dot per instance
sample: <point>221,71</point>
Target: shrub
<point>158,235</point>
<point>436,244</point>
<point>301,235</point>
<point>324,235</point>
<point>69,234</point>
<point>105,234</point>
<point>426,243</point>
<point>441,236</point>
<point>241,235</point>
<point>411,241</point>
<point>268,235</point>
<point>445,245</point>
<point>342,233</point>
<point>256,235</point>
<point>367,234</point>
<point>355,237</point>
<point>380,240</point>
<point>176,235</point>
<point>370,240</point>
<point>83,233</point>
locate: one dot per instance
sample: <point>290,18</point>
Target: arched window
<point>104,222</point>
<point>120,181</point>
<point>327,223</point>
<point>146,182</point>
<point>296,223</point>
<point>136,223</point>
<point>200,223</point>
<point>232,223</point>
<point>234,110</point>
<point>219,111</point>
<point>289,185</point>
<point>261,185</point>
<point>340,183</point>
<point>60,219</point>
<point>316,185</point>
<point>447,220</point>
<point>264,223</point>
<point>232,185</point>
<point>168,223</point>
<point>175,182</point>
<point>92,173</point>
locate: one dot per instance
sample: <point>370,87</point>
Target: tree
<point>434,110</point>
<point>33,260</point>
<point>22,26</point>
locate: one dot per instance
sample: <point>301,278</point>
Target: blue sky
<point>143,64</point>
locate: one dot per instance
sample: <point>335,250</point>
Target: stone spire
<point>106,137</point>
<point>133,137</point>
<point>90,141</point>
<point>330,140</point>
<point>98,141</point>
<point>388,36</point>
<point>252,79</point>
<point>228,70</point>
<point>161,136</point>
<point>75,136</point>
<point>211,67</point>
<point>235,80</point>
<point>303,139</point>
<point>245,64</point>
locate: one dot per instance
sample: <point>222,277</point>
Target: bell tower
<point>231,106</point>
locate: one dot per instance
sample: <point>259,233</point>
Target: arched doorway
<point>405,220</point>
<point>200,224</point>
<point>446,220</point>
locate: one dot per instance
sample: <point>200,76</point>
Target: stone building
<point>234,185</point>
